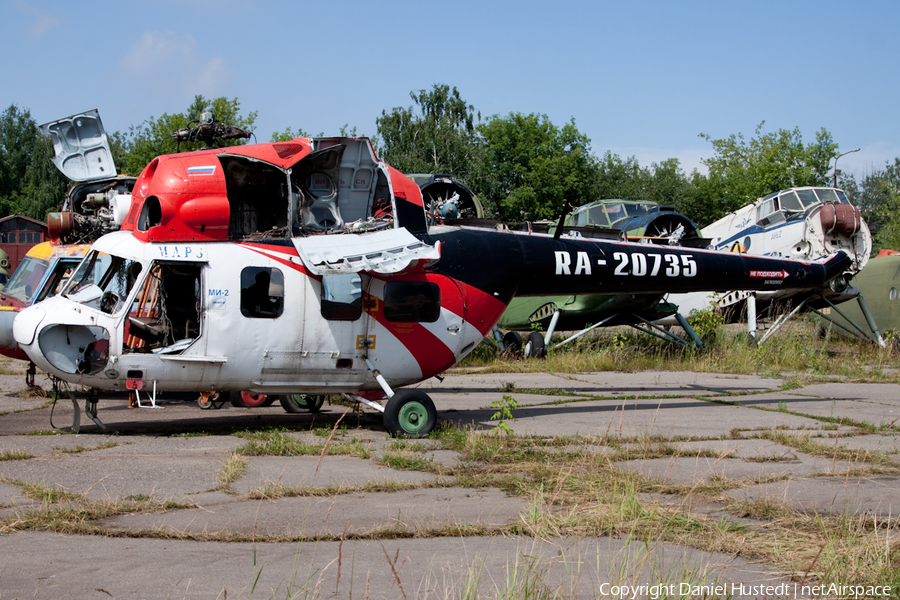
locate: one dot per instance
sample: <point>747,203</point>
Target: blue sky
<point>640,79</point>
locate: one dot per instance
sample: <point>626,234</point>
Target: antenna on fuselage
<point>567,208</point>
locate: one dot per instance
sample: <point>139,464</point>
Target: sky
<point>641,79</point>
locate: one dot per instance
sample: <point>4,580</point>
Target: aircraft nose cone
<point>26,324</point>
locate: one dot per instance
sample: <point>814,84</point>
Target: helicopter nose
<point>69,348</point>
<point>26,323</point>
<point>75,348</point>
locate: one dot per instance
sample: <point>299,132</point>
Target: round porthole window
<point>892,295</point>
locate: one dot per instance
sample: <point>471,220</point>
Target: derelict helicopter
<point>310,267</point>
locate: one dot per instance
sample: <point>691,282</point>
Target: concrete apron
<point>142,456</point>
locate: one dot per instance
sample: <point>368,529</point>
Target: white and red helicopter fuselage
<point>311,267</point>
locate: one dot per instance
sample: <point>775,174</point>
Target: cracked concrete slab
<point>332,471</point>
<point>693,470</point>
<point>874,495</point>
<point>396,513</point>
<point>47,566</point>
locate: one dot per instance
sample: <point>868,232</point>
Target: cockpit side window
<point>62,272</point>
<point>262,292</point>
<point>412,301</point>
<point>26,278</point>
<point>342,297</point>
<point>103,281</point>
<point>828,195</point>
<point>789,201</point>
<point>808,198</point>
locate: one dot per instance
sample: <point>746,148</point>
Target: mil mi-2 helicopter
<point>311,267</point>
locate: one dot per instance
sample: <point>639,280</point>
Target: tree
<point>29,182</point>
<point>535,168</point>
<point>614,177</point>
<point>741,171</point>
<point>287,135</point>
<point>437,136</point>
<point>878,198</point>
<point>141,144</point>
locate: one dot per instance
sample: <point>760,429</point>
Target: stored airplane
<point>803,223</point>
<point>309,267</point>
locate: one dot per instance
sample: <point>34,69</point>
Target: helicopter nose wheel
<point>410,413</point>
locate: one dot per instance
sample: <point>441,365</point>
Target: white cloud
<point>43,21</point>
<point>169,64</point>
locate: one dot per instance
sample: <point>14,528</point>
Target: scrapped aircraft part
<point>81,147</point>
<point>535,347</point>
<point>842,219</point>
<point>75,348</point>
<point>299,403</point>
<point>383,252</point>
<point>848,322</point>
<point>210,131</point>
<point>545,311</point>
<point>410,414</point>
<point>446,198</point>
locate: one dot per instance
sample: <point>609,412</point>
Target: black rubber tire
<point>410,414</point>
<point>513,342</point>
<point>536,346</point>
<point>300,403</point>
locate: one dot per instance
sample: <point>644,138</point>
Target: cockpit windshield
<point>103,281</point>
<point>26,279</point>
<point>607,213</point>
<point>795,201</point>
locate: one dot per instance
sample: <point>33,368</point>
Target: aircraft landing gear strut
<point>90,409</point>
<point>407,413</point>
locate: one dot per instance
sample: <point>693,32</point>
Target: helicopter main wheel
<point>410,414</point>
<point>250,400</point>
<point>513,342</point>
<point>535,348</point>
<point>298,403</point>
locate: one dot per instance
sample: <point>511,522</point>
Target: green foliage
<point>287,135</point>
<point>878,197</point>
<point>741,171</point>
<point>144,142</point>
<point>505,407</point>
<point>29,183</point>
<point>534,167</point>
<point>438,135</point>
<point>707,323</point>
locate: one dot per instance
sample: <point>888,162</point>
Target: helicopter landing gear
<point>298,403</point>
<point>410,413</point>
